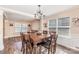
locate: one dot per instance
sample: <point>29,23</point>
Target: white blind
<point>60,25</point>
<point>63,26</point>
<point>63,21</point>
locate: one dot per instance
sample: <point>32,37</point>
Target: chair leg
<point>23,49</point>
<point>26,49</point>
<point>35,49</point>
<point>39,49</point>
<point>51,49</point>
<point>48,50</point>
<point>54,49</point>
<point>31,49</point>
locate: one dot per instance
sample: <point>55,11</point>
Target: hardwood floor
<point>13,46</point>
<point>9,45</point>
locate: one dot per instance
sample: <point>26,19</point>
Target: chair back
<point>22,36</point>
<point>54,38</point>
<point>45,32</point>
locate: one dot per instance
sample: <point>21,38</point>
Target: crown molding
<point>17,12</point>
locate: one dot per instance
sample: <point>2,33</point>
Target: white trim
<point>18,12</point>
<point>70,26</point>
<point>64,26</point>
<point>69,47</point>
<point>64,36</point>
<point>48,26</point>
<point>57,25</point>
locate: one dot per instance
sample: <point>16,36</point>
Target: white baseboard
<point>70,47</point>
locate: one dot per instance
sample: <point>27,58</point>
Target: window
<point>63,21</point>
<point>63,26</point>
<point>23,28</point>
<point>20,27</point>
<point>52,25</point>
<point>60,25</point>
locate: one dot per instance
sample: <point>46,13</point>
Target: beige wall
<point>39,25</point>
<point>73,41</point>
<point>35,25</point>
<point>69,13</point>
<point>10,30</point>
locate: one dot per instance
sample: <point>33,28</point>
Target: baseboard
<point>69,48</point>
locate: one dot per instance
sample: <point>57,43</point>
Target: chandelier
<point>39,14</point>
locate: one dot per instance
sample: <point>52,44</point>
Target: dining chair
<point>45,43</point>
<point>54,42</point>
<point>23,42</point>
<point>26,45</point>
<point>45,32</point>
<point>48,43</point>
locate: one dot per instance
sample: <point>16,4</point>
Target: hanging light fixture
<point>39,15</point>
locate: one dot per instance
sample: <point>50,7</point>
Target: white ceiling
<point>27,11</point>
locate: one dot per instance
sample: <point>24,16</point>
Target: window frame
<point>57,26</point>
<point>20,26</point>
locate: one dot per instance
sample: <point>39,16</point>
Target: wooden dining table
<point>36,39</point>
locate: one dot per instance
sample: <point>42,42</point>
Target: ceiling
<point>26,12</point>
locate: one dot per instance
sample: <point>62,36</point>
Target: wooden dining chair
<point>23,42</point>
<point>45,32</point>
<point>48,43</point>
<point>54,42</point>
<point>45,43</point>
<point>26,44</point>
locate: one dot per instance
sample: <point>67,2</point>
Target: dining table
<point>36,39</point>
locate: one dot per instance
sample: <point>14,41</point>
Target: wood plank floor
<point>13,46</point>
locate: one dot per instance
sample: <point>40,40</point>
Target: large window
<point>20,27</point>
<point>60,25</point>
<point>63,26</point>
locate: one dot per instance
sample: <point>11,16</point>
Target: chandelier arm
<point>39,14</point>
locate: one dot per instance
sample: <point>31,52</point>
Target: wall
<point>35,25</point>
<point>69,13</point>
<point>10,30</point>
<point>73,41</point>
<point>39,25</point>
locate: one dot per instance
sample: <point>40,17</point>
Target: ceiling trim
<point>17,12</point>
